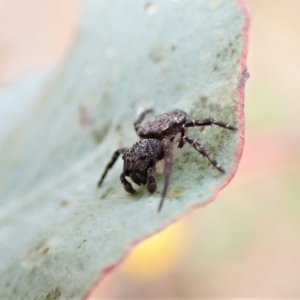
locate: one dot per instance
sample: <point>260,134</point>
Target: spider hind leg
<point>202,150</point>
<point>208,122</point>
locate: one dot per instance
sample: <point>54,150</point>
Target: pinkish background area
<point>247,242</point>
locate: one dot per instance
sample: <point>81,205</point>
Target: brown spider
<point>157,136</point>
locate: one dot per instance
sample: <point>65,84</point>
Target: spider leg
<point>127,185</point>
<point>141,118</point>
<point>168,155</point>
<point>181,142</point>
<point>203,151</point>
<point>151,185</point>
<point>110,164</point>
<point>208,122</point>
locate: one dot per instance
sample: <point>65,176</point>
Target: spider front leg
<point>111,163</point>
<point>127,185</point>
<point>151,185</point>
<point>203,151</point>
<point>168,156</point>
<point>182,132</point>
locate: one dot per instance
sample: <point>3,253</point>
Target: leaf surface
<point>59,232</point>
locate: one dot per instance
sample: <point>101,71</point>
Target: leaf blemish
<point>53,295</point>
<point>86,120</point>
<point>159,52</point>
<point>175,192</point>
<point>118,128</point>
<point>99,134</point>
<point>151,9</point>
<point>33,270</point>
<point>107,192</point>
<point>63,203</point>
<point>45,250</point>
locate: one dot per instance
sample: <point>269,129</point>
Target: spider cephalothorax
<point>157,136</point>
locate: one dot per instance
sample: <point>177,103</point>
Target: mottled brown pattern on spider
<point>157,136</point>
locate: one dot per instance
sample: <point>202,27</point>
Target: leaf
<point>58,231</point>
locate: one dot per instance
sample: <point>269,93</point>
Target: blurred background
<point>247,242</point>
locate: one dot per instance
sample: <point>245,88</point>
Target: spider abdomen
<point>166,125</point>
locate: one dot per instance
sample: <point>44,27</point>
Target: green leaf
<point>58,231</point>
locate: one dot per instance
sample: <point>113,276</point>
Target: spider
<point>156,143</point>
